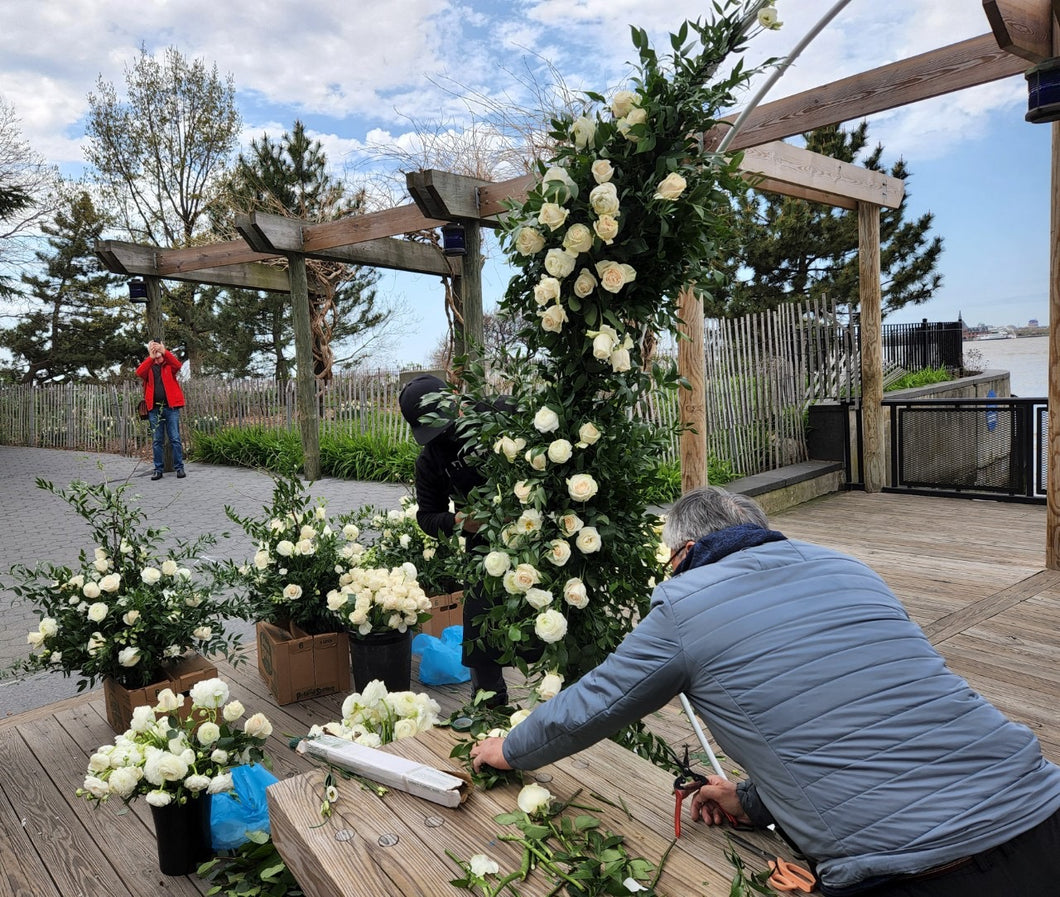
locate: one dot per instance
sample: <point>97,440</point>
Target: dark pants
<point>1026,866</point>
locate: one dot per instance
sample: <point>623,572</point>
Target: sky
<point>368,78</point>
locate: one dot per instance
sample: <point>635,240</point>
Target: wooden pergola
<point>1022,33</point>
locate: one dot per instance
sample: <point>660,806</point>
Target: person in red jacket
<point>164,399</point>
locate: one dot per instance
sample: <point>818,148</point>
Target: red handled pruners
<point>687,782</point>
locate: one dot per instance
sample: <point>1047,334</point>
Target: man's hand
<point>467,524</point>
<point>489,752</point>
<point>716,801</point>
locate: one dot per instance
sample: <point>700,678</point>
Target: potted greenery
<point>130,613</point>
<point>177,754</point>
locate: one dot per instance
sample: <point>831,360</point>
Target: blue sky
<point>366,78</point>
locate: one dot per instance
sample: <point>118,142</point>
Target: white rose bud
<point>533,798</point>
<point>129,657</point>
<point>550,686</point>
<point>538,599</point>
<point>603,171</point>
<point>258,726</point>
<point>583,130</point>
<point>671,187</point>
<point>584,283</point>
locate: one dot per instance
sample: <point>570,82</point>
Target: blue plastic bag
<point>231,817</point>
<point>440,657</point>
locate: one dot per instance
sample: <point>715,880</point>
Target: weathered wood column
<point>1052,489</point>
<point>691,403</point>
<point>871,302</point>
<point>153,311</point>
<point>305,382</point>
<point>471,290</point>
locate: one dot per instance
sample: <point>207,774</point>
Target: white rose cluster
<point>371,599</point>
<point>375,716</point>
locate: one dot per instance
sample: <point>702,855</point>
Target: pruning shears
<point>687,782</point>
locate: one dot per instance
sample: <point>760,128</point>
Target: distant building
<point>1033,322</point>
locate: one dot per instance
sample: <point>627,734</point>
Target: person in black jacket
<point>445,473</point>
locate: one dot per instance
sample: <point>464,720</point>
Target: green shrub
<point>924,377</point>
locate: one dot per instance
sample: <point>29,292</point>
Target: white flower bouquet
<point>377,716</point>
<point>172,752</point>
<point>369,600</point>
<point>129,607</point>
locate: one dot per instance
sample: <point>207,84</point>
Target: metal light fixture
<point>137,290</point>
<point>1043,92</point>
<point>454,240</point>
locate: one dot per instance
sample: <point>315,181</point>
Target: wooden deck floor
<point>971,574</point>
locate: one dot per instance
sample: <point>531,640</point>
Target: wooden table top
<point>398,844</point>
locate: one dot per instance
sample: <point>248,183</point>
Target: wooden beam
<point>442,194</point>
<point>405,219</point>
<point>491,197</point>
<point>266,232</point>
<point>692,402</point>
<point>975,61</point>
<point>871,312</point>
<point>1022,27</point>
<point>783,163</point>
<point>1052,488</point>
<point>305,381</point>
<point>134,258</point>
<point>214,255</point>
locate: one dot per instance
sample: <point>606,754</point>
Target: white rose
<point>546,291</point>
<point>574,593</point>
<point>552,215</point>
<point>559,262</point>
<point>603,199</point>
<point>481,865</point>
<point>546,420</point>
<point>523,578</point>
<point>261,559</point>
<point>582,486</point>
<point>622,102</point>
<point>101,563</point>
<point>522,491</point>
<point>233,711</point>
<point>150,575</point>
<point>550,626</point>
<point>635,117</point>
<point>130,617</point>
<point>588,434</point>
<point>557,185</point>
<point>168,701</point>
<point>620,360</point>
<point>129,657</point>
<point>671,187</point>
<point>48,627</point>
<point>90,590</point>
<point>529,241</point>
<point>569,523</point>
<point>497,563</point>
<point>606,228</point>
<point>111,582</point>
<point>169,567</point>
<point>285,548</point>
<point>35,638</point>
<point>350,532</point>
<point>588,540</point>
<point>203,633</point>
<point>536,458</point>
<point>97,612</point>
<point>538,599</point>
<point>258,726</point>
<point>550,686</point>
<point>602,170</point>
<point>553,318</point>
<point>604,341</point>
<point>584,283</point>
<point>577,239</point>
<point>559,451</point>
<point>533,798</point>
<point>558,552</point>
<point>613,276</point>
<point>292,591</point>
<point>583,130</point>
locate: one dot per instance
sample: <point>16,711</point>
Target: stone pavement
<point>39,526</point>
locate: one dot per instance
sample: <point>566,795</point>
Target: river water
<point>1026,359</point>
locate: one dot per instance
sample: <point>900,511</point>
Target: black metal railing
<point>929,344</point>
<point>975,448</point>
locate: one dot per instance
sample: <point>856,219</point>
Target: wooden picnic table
<point>398,844</point>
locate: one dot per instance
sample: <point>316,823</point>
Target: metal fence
<point>929,344</point>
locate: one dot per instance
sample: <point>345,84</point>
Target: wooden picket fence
<point>762,373</point>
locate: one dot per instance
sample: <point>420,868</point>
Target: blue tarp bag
<point>440,657</point>
<point>231,817</point>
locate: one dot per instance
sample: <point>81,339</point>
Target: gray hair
<point>706,510</point>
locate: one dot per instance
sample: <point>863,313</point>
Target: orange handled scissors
<point>786,876</point>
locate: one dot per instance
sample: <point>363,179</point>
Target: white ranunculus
<point>123,781</point>
<point>533,798</point>
<point>588,540</point>
<point>575,594</point>
<point>481,865</point>
<point>584,283</point>
<point>164,766</point>
<point>558,552</point>
<point>559,262</point>
<point>129,657</point>
<point>219,757</point>
<point>232,711</point>
<point>578,238</point>
<point>582,486</point>
<point>210,693</point>
<point>150,575</point>
<point>497,563</point>
<point>97,612</point>
<point>603,199</point>
<point>546,420</point>
<point>606,228</point>
<point>549,686</point>
<point>258,726</point>
<point>622,102</point>
<point>537,598</point>
<point>559,451</point>
<point>529,241</point>
<point>221,783</point>
<point>552,215</point>
<point>208,733</point>
<point>405,728</point>
<point>196,783</point>
<point>48,627</point>
<point>588,434</point>
<point>602,170</point>
<point>96,786</point>
<point>671,187</point>
<point>553,318</point>
<point>546,291</point>
<point>550,626</point>
<point>159,798</point>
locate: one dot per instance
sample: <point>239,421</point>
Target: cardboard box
<point>180,677</point>
<point>388,769</point>
<point>297,666</point>
<point>446,610</point>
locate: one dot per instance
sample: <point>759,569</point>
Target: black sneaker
<point>157,475</point>
<point>181,474</point>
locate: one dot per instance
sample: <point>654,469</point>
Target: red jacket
<point>170,365</point>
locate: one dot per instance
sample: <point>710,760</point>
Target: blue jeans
<point>168,425</point>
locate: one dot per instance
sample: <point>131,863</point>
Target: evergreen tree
<point>788,249</point>
<point>290,177</point>
<point>75,329</point>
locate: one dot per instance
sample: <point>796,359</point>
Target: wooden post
<point>471,290</point>
<point>305,382</point>
<point>1052,489</point>
<point>871,304</point>
<point>153,310</point>
<point>692,404</point>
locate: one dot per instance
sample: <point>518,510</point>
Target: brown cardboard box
<point>446,610</point>
<point>180,677</point>
<point>297,666</point>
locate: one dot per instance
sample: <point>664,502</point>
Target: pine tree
<point>789,248</point>
<point>75,328</point>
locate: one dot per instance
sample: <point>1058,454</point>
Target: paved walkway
<point>39,526</point>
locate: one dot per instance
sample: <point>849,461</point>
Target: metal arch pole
<point>701,735</point>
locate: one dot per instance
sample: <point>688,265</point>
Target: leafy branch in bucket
<point>254,869</point>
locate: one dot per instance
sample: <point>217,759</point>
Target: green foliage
<point>254,869</point>
<point>924,377</point>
